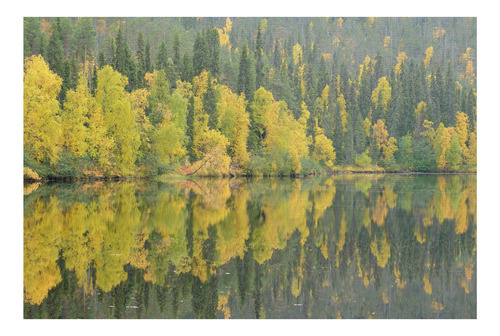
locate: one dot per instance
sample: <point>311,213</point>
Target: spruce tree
<point>187,68</point>
<point>147,60</point>
<point>176,49</point>
<point>243,85</point>
<point>259,66</point>
<point>190,128</point>
<point>162,57</point>
<point>55,52</point>
<point>210,103</point>
<point>213,46</point>
<point>200,54</point>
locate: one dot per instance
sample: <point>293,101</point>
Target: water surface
<point>353,246</point>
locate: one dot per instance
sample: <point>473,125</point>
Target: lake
<point>346,246</point>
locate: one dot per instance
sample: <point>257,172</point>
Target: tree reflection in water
<point>352,246</point>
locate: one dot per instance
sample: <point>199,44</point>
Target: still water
<point>352,246</point>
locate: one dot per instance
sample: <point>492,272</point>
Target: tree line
<point>273,102</point>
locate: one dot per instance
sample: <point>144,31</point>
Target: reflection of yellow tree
<point>341,238</point>
<point>42,236</point>
<point>118,239</point>
<point>381,249</point>
<point>75,243</point>
<point>209,208</point>
<point>384,202</point>
<point>223,306</point>
<point>323,196</point>
<point>233,233</point>
<point>427,284</point>
<point>285,213</point>
<point>466,278</point>
<point>167,218</point>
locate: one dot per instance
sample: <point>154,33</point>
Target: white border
<point>12,209</point>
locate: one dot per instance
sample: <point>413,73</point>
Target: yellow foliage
<point>343,112</point>
<point>427,284</point>
<point>387,41</point>
<point>222,303</point>
<point>420,110</point>
<point>119,118</point>
<point>28,189</point>
<point>437,306</point>
<point>428,56</point>
<point>74,116</point>
<point>42,125</point>
<point>296,287</point>
<point>443,140</point>
<point>42,237</point>
<point>438,33</point>
<point>389,148</point>
<point>224,34</point>
<point>462,127</point>
<point>381,249</point>
<point>366,127</point>
<point>211,147</point>
<point>429,132</point>
<point>340,21</point>
<point>29,174</point>
<point>472,157</point>
<point>380,133</point>
<point>323,151</point>
<point>234,122</point>
<point>297,54</point>
<point>400,60</point>
<point>381,95</point>
<point>324,96</point>
<point>385,298</point>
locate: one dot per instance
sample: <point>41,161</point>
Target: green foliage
<point>404,155</point>
<point>423,157</point>
<point>363,160</point>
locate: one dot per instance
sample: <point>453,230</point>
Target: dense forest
<point>108,97</point>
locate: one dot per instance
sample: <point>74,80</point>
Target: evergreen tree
<point>177,51</point>
<point>213,46</point>
<point>147,58</point>
<point>244,79</point>
<point>276,56</point>
<point>190,129</point>
<point>200,55</point>
<point>162,58</point>
<point>55,52</point>
<point>470,107</point>
<point>259,67</point>
<point>210,103</point>
<point>187,68</point>
<point>141,59</point>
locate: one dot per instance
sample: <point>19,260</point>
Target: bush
<point>29,174</point>
<point>363,160</point>
<point>310,166</point>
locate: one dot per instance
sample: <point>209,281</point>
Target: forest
<point>140,97</point>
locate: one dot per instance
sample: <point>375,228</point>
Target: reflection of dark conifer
<point>161,297</point>
<point>198,297</point>
<point>121,295</point>
<point>175,299</point>
<point>147,287</point>
<point>139,292</point>
<point>257,300</point>
<point>189,226</point>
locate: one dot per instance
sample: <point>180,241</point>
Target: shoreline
<point>174,176</point>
